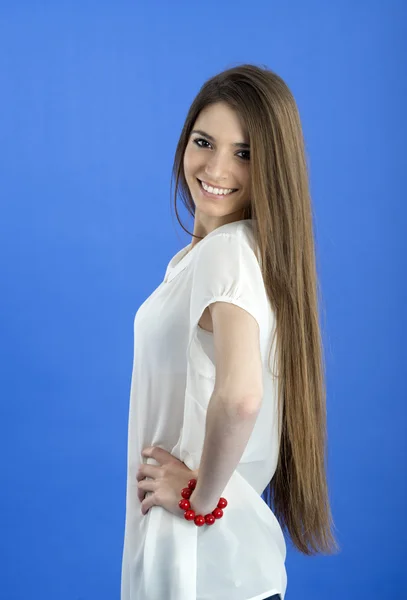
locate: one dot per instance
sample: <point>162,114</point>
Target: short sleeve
<point>226,269</point>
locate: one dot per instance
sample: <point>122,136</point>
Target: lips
<point>216,186</point>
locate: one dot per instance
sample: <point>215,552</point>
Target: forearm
<point>227,430</point>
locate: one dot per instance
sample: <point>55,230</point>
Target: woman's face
<point>218,155</point>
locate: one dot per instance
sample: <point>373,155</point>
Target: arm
<point>234,405</point>
<point>228,429</point>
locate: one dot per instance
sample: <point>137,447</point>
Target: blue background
<point>93,99</point>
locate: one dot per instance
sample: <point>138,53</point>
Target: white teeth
<point>218,191</point>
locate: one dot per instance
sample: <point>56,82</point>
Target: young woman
<point>227,392</point>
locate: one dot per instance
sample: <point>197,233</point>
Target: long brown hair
<point>283,225</point>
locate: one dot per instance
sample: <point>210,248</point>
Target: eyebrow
<point>237,144</point>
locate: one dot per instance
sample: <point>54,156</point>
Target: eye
<point>246,152</point>
<point>196,140</point>
<point>245,157</point>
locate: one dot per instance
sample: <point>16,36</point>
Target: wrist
<point>195,509</point>
<point>201,502</point>
<point>199,505</point>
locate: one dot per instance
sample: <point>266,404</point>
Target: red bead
<point>189,514</point>
<point>186,493</point>
<point>209,519</point>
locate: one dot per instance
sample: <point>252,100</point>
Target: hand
<point>167,480</point>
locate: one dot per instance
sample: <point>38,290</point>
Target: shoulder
<point>227,266</point>
<point>230,238</point>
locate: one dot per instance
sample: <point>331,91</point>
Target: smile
<point>216,191</point>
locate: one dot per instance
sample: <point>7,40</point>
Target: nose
<point>216,169</point>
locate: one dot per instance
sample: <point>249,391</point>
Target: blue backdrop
<point>93,98</point>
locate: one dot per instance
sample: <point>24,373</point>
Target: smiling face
<point>218,155</point>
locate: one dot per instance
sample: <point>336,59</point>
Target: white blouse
<point>241,556</point>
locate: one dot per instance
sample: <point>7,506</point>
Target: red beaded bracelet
<point>189,514</point>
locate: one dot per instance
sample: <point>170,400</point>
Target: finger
<point>147,485</point>
<point>144,487</point>
<point>160,455</point>
<point>148,502</point>
<point>148,471</point>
